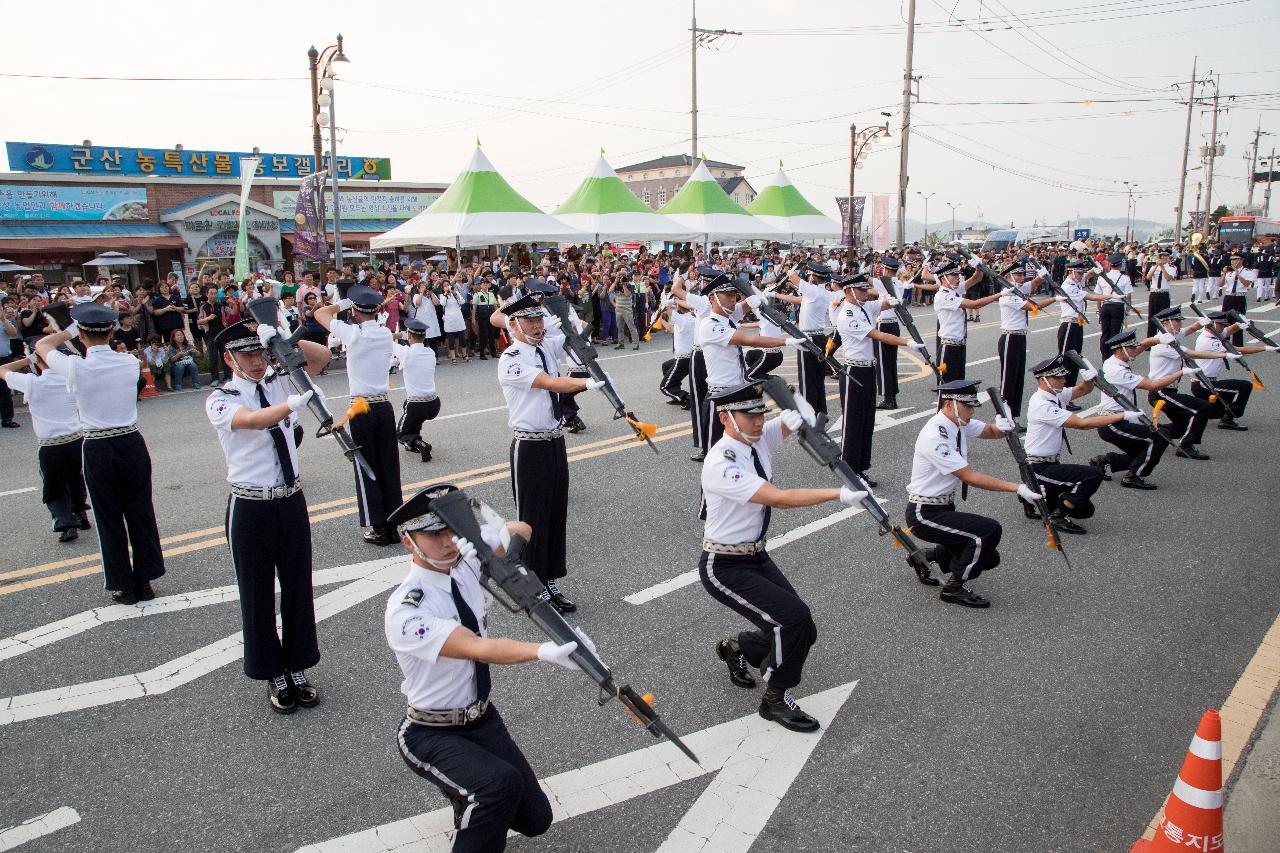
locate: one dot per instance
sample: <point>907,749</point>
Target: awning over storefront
<point>89,237</point>
<point>356,229</point>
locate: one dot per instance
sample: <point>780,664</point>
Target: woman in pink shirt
<point>393,304</point>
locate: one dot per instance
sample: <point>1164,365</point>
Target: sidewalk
<point>1252,818</point>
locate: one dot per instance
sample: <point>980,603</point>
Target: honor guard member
<point>531,386</point>
<point>856,321</point>
<point>572,369</point>
<point>1015,313</point>
<point>815,302</point>
<point>1235,290</point>
<point>267,527</point>
<point>735,568</point>
<point>1140,448</point>
<point>1187,413</point>
<point>760,359</point>
<point>1160,278</point>
<point>1198,268</point>
<point>418,366</point>
<point>966,543</point>
<point>699,306</point>
<point>1115,286</point>
<point>56,423</point>
<point>1233,394</point>
<point>1069,489</point>
<point>1070,332</point>
<point>369,350</point>
<point>886,354</point>
<point>452,735</point>
<point>117,466</point>
<point>951,306</point>
<point>675,370</point>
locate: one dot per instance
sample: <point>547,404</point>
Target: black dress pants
<point>859,423</point>
<point>1157,301</point>
<point>1233,397</point>
<point>953,357</point>
<point>62,476</point>
<point>540,487</point>
<point>1111,320</point>
<point>1140,448</point>
<point>1189,415</point>
<point>760,363</point>
<point>117,473</point>
<point>674,373</point>
<point>1240,304</point>
<point>754,587</point>
<point>480,767</point>
<point>886,356</point>
<point>412,417</point>
<point>966,542</point>
<point>1071,337</point>
<point>1012,350</point>
<point>375,434</point>
<point>270,539</point>
<point>1074,484</point>
<point>811,374</point>
<point>698,397</point>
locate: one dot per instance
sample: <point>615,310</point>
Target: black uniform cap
<point>745,398</point>
<point>239,337</point>
<point>1015,267</point>
<point>1127,338</point>
<point>529,305</point>
<point>1220,316</point>
<point>416,514</point>
<point>1080,264</point>
<point>416,326</point>
<point>961,390</point>
<point>858,280</point>
<point>1115,259</point>
<point>819,270</point>
<point>364,298</point>
<point>1056,366</point>
<point>1172,313</point>
<point>890,263</point>
<point>1237,256</point>
<point>949,268</point>
<point>94,318</point>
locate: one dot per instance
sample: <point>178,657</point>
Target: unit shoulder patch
<point>412,598</point>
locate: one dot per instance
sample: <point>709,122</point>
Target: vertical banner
<point>248,166</point>
<point>308,229</point>
<point>859,205</point>
<point>880,232</point>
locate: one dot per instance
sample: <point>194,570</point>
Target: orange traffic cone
<point>149,390</point>
<point>1193,815</point>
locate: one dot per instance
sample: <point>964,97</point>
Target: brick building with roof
<point>655,181</point>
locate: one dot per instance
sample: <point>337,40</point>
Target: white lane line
<point>382,576</point>
<point>17,491</point>
<point>686,578</point>
<point>29,830</point>
<point>468,414</point>
<point>755,763</point>
<point>62,629</point>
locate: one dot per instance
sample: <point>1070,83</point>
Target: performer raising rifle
<point>1016,308</point>
<point>1116,287</point>
<point>1160,278</point>
<point>1073,299</point>
<point>952,307</point>
<point>1187,413</point>
<point>1232,394</point>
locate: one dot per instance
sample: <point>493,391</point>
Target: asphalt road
<point>1055,720</point>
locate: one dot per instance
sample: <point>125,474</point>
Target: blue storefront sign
<point>188,163</point>
<point>31,203</point>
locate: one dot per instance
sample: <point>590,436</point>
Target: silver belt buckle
<point>473,713</point>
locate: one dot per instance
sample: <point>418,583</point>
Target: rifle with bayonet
<point>587,356</point>
<point>826,452</point>
<point>519,590</point>
<point>1115,289</point>
<point>1237,317</point>
<point>777,318</point>
<point>1193,367</point>
<point>1028,474</point>
<point>1230,347</point>
<point>1122,400</point>
<point>287,358</point>
<point>908,322</point>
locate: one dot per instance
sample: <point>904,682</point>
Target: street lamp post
<point>953,206</point>
<point>858,144</point>
<point>1128,211</point>
<point>322,112</point>
<point>926,213</point>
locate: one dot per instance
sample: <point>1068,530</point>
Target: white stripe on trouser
<point>666,378</point>
<point>977,550</point>
<point>102,555</point>
<point>361,498</point>
<point>777,631</point>
<point>515,476</point>
<point>427,768</point>
<point>1198,797</point>
<point>1151,442</point>
<point>1172,401</point>
<point>1004,363</point>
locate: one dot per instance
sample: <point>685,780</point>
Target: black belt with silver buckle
<point>451,717</point>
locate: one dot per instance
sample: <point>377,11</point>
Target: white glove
<point>755,300</point>
<point>345,304</point>
<point>1005,424</point>
<point>917,345</point>
<point>466,551</point>
<point>493,530</point>
<point>1134,417</point>
<point>797,343</point>
<point>595,384</point>
<point>549,652</point>
<point>1029,496</point>
<point>1088,375</point>
<point>1244,323</point>
<point>892,301</point>
<point>804,408</point>
<point>1165,338</point>
<point>849,497</point>
<point>1232,356</point>
<point>578,325</point>
<point>73,330</point>
<point>266,333</point>
<point>792,420</point>
<point>1270,348</point>
<point>297,402</point>
<point>586,641</point>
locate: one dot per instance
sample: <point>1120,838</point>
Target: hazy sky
<point>999,128</point>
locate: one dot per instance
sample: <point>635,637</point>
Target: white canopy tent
<point>603,207</point>
<point>703,207</point>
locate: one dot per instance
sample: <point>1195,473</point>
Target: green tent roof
<point>701,194</point>
<point>480,189</point>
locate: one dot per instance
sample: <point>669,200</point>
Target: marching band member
<point>418,366</point>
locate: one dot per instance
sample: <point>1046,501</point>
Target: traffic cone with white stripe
<point>1193,815</point>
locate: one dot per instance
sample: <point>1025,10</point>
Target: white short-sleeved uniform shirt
<point>1238,282</point>
<point>1066,313</point>
<point>725,367</point>
<point>1208,342</point>
<point>729,479</point>
<point>418,367</point>
<point>1120,374</point>
<point>815,303</point>
<point>1115,285</point>
<point>250,453</point>
<point>104,384</point>
<point>855,322</point>
<point>1046,413</point>
<point>941,449</point>
<point>368,356</point>
<point>683,328</point>
<point>700,305</point>
<point>1013,312</point>
<point>420,616</point>
<point>528,408</point>
<point>53,407</point>
<point>1165,360</point>
<point>1163,277</point>
<point>951,316</point>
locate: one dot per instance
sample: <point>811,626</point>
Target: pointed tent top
<point>601,150</point>
<point>602,192</point>
<point>480,189</point>
<point>781,198</point>
<point>477,142</point>
<point>701,194</point>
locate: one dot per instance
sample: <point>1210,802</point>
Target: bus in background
<point>998,241</point>
<point>1241,232</point>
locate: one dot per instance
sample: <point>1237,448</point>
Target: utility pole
<point>698,37</point>
<point>1186,151</point>
<point>906,124</point>
<point>1266,197</point>
<point>1253,159</point>
<point>1213,155</point>
<point>926,214</point>
<point>853,167</point>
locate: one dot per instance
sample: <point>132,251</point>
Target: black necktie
<point>755,460</point>
<point>282,446</point>
<point>964,487</point>
<point>555,398</point>
<point>742,362</point>
<point>468,619</point>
